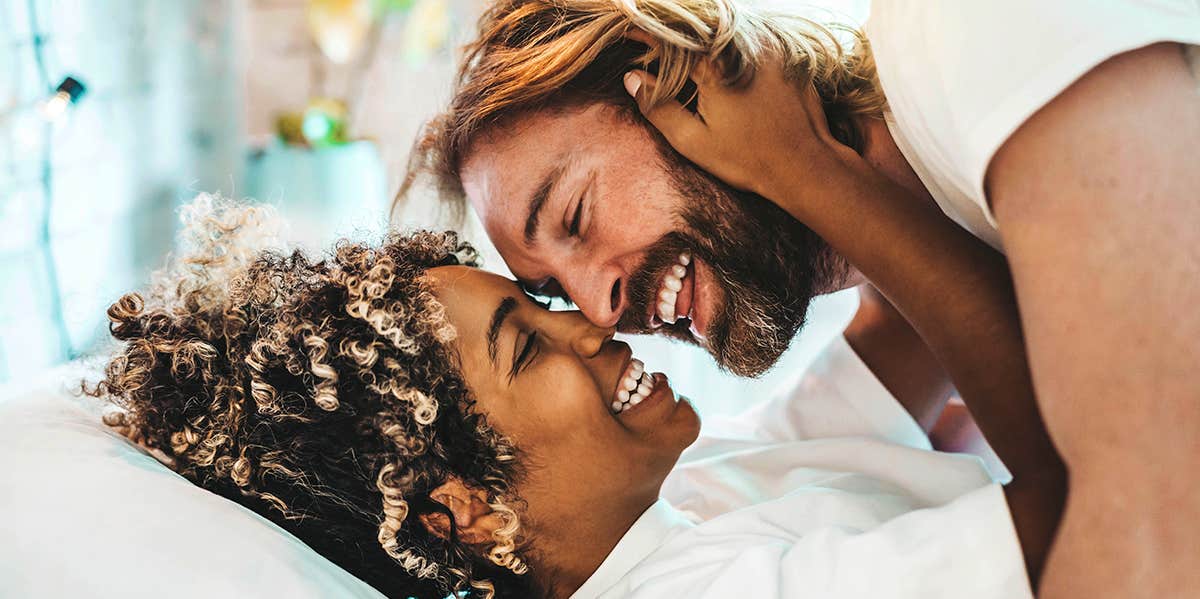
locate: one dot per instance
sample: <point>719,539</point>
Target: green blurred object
<point>323,123</point>
<point>395,5</point>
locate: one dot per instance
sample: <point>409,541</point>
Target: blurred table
<point>324,193</point>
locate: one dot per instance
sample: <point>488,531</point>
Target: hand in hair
<point>770,138</point>
<point>750,136</point>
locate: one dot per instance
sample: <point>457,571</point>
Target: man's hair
<point>553,54</point>
<point>324,395</point>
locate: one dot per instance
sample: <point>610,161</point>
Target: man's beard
<point>768,265</point>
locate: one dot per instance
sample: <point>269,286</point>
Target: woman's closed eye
<point>525,356</point>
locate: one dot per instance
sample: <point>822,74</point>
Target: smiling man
<point>639,238</point>
<point>584,201</point>
<point>1063,134</point>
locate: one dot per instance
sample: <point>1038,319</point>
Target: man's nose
<point>600,296</point>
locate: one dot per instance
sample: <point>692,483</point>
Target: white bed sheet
<point>83,513</point>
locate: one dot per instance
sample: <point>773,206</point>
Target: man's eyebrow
<point>538,201</point>
<point>502,311</point>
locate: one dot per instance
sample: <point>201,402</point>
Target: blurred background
<point>113,113</point>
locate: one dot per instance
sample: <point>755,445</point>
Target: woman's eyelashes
<point>525,356</point>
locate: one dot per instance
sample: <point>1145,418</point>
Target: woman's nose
<point>587,339</point>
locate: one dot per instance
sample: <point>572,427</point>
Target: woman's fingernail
<point>632,83</point>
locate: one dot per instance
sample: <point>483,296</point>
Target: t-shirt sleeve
<point>978,70</point>
<point>837,396</point>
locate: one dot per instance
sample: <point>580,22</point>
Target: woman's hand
<point>771,138</point>
<point>762,138</point>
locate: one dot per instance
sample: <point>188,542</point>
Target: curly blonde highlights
<point>503,553</point>
<point>546,54</point>
<point>322,394</point>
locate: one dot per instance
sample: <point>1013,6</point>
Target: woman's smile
<point>652,393</point>
<point>637,389</point>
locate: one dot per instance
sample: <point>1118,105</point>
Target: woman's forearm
<point>897,355</point>
<point>958,295</point>
<point>954,290</point>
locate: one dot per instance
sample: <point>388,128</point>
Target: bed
<point>83,513</point>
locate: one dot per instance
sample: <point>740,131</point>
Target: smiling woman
<point>429,428</point>
<point>322,395</point>
<point>381,395</point>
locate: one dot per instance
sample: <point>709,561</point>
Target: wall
<point>87,203</point>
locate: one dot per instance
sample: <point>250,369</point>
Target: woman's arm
<point>898,357</point>
<point>889,346</point>
<point>770,138</point>
<point>958,294</point>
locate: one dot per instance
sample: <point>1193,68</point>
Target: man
<point>1065,135</point>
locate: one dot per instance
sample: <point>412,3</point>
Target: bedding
<point>84,513</point>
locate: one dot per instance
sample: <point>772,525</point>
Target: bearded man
<point>1063,135</point>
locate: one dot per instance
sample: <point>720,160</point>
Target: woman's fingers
<point>639,35</point>
<point>681,128</point>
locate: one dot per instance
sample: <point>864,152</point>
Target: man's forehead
<point>506,165</point>
<point>540,131</point>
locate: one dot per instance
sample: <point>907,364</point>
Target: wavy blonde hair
<point>324,395</point>
<point>547,54</point>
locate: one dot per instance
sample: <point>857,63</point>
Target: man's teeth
<point>668,293</point>
<point>635,387</point>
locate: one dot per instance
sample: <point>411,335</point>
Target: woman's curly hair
<point>324,395</point>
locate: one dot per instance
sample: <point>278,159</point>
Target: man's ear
<point>474,519</point>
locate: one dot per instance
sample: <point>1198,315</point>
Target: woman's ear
<point>474,519</point>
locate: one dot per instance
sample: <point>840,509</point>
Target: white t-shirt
<point>828,490</point>
<point>961,76</point>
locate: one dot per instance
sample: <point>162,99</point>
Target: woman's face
<point>548,381</point>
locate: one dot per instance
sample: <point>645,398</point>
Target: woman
<point>429,428</point>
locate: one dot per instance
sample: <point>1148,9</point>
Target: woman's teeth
<point>668,293</point>
<point>634,387</point>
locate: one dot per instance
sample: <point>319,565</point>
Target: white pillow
<point>83,513</point>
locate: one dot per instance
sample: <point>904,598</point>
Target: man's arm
<point>1098,201</point>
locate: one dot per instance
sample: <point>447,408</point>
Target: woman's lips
<point>660,393</point>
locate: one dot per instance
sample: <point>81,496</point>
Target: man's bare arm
<point>1098,201</point>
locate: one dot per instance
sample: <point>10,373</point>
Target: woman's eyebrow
<point>502,311</point>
